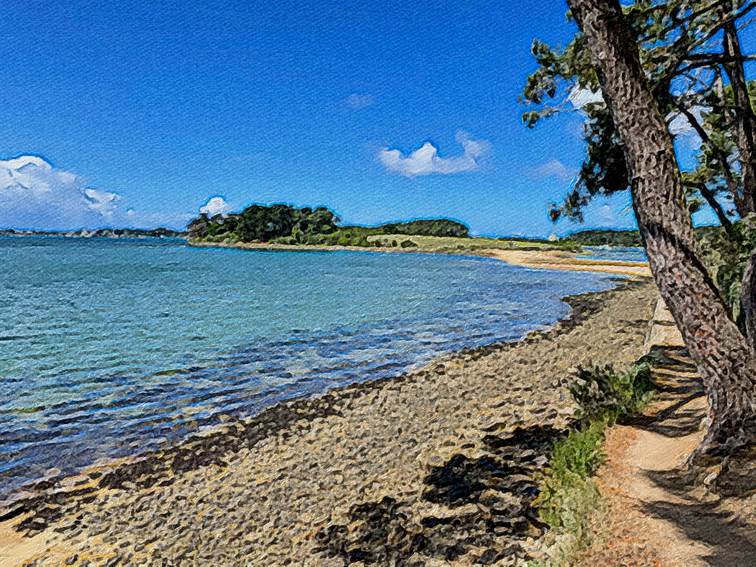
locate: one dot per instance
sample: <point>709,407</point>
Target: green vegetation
<point>623,238</point>
<point>285,224</point>
<point>257,223</point>
<point>434,227</point>
<point>726,254</point>
<point>569,500</point>
<point>603,394</point>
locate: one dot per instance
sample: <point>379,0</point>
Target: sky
<point>142,113</point>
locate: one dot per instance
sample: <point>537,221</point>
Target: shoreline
<point>533,258</point>
<point>210,449</point>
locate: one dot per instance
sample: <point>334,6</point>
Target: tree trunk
<point>748,300</point>
<point>744,117</point>
<point>723,357</point>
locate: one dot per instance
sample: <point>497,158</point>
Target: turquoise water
<point>111,347</point>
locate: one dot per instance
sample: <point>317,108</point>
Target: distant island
<point>100,233</point>
<point>289,225</point>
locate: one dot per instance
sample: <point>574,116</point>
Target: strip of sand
<point>430,467</point>
<point>560,260</point>
<point>545,259</point>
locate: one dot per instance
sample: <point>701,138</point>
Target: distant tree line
<point>287,224</point>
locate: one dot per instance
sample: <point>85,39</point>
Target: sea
<point>112,347</point>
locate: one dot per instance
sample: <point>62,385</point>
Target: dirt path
<point>655,517</point>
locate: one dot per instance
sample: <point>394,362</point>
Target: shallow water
<point>112,347</point>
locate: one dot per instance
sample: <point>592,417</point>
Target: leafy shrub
<point>569,500</point>
<point>574,459</point>
<point>427,227</point>
<point>601,392</point>
<point>726,256</point>
<point>408,244</point>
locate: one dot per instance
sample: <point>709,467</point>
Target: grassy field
<point>452,244</point>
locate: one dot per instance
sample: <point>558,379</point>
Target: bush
<point>569,500</point>
<point>603,393</point>
<point>408,244</point>
<point>561,502</point>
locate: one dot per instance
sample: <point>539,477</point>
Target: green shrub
<point>408,244</point>
<point>569,500</point>
<point>601,392</point>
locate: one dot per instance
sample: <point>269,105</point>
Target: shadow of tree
<point>723,532</point>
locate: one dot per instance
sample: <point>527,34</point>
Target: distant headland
<point>159,232</point>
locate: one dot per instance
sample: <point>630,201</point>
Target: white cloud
<point>553,168</point>
<point>357,101</point>
<point>580,97</point>
<point>35,194</point>
<point>215,206</point>
<point>426,161</point>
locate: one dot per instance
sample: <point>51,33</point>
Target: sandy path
<point>656,517</point>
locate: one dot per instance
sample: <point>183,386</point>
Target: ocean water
<point>113,347</point>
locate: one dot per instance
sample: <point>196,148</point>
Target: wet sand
<point>435,467</point>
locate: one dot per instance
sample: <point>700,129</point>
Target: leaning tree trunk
<point>748,300</point>
<point>744,117</point>
<point>721,353</point>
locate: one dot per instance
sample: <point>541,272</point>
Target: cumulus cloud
<point>215,206</point>
<point>553,168</point>
<point>35,194</point>
<point>426,161</point>
<point>357,101</point>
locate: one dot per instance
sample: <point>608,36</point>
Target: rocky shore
<point>434,467</point>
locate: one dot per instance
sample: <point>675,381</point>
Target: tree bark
<point>744,117</point>
<point>723,357</point>
<point>748,300</point>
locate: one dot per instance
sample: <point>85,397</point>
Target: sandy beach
<point>546,259</point>
<point>433,467</point>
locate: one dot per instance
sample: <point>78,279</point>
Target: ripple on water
<point>113,347</point>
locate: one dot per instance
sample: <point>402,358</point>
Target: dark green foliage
<point>408,244</point>
<point>603,393</point>
<point>568,497</point>
<point>285,224</point>
<point>681,55</point>
<point>259,223</point>
<point>430,227</point>
<point>726,255</point>
<point>624,238</point>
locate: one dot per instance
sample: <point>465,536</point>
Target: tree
<point>686,47</point>
<point>725,361</point>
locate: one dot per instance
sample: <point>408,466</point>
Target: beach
<point>515,253</point>
<point>436,466</point>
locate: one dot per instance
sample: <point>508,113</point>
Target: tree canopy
<point>292,225</point>
<point>690,53</point>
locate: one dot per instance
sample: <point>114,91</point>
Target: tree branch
<point>711,199</point>
<point>721,156</point>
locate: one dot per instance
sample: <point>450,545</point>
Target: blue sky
<point>156,106</point>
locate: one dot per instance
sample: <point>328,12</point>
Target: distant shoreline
<point>525,257</point>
